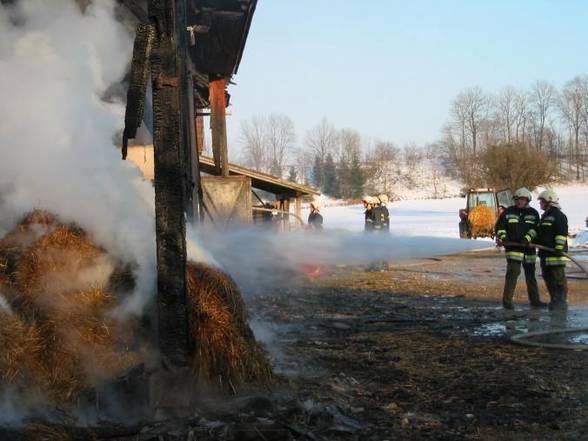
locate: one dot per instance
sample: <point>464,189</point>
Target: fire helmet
<point>549,196</point>
<point>383,199</point>
<point>523,192</point>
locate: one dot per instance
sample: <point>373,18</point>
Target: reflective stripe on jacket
<point>518,225</point>
<point>553,233</point>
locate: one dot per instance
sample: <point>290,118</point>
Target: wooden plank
<point>200,139</point>
<point>263,181</point>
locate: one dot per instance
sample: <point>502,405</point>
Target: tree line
<point>330,158</point>
<point>516,137</point>
<point>540,125</point>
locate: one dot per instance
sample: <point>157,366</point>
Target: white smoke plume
<point>259,259</point>
<point>57,135</point>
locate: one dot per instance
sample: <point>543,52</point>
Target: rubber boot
<point>559,283</point>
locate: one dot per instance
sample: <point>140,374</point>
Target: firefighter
<point>384,213</point>
<point>518,224</point>
<point>553,233</point>
<point>315,219</point>
<point>376,214</point>
<point>368,204</point>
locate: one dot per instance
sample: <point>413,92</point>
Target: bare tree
<point>542,99</point>
<point>254,141</point>
<point>322,139</point>
<point>571,106</point>
<point>383,165</point>
<point>281,137</point>
<point>349,144</point>
<point>521,115</point>
<point>469,110</point>
<point>505,107</point>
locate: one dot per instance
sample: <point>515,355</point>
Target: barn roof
<point>220,31</point>
<point>261,181</point>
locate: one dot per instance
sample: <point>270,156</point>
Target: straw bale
<point>482,220</point>
<point>225,348</point>
<point>64,337</point>
<point>32,226</point>
<point>45,432</point>
<point>21,347</point>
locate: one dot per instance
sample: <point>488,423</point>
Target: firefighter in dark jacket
<point>518,224</point>
<point>315,219</point>
<point>369,214</point>
<point>553,233</point>
<point>384,213</point>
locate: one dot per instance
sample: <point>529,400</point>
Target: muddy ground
<point>421,350</point>
<point>415,350</point>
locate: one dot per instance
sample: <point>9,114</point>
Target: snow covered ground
<point>439,217</point>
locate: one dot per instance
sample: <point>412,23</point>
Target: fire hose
<point>522,339</point>
<point>551,250</point>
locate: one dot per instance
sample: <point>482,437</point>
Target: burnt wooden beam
<point>218,125</point>
<point>199,128</point>
<point>169,141</point>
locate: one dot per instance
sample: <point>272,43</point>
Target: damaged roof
<point>220,29</point>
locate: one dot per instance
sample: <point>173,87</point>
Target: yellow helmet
<point>383,198</point>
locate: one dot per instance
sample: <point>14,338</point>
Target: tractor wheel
<point>464,230</point>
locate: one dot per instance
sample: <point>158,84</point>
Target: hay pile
<point>59,335</point>
<point>482,220</point>
<point>226,352</point>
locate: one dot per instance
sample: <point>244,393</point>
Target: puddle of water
<point>535,321</point>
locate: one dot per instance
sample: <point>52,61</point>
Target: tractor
<point>472,228</point>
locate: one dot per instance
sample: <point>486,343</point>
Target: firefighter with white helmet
<point>553,233</point>
<point>315,219</point>
<point>384,213</point>
<point>369,205</point>
<point>517,226</point>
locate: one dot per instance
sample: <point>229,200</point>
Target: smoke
<point>56,133</point>
<point>258,259</point>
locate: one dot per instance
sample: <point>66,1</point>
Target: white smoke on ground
<point>56,133</point>
<point>260,260</point>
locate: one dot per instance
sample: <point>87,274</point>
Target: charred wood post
<point>218,124</point>
<point>172,148</point>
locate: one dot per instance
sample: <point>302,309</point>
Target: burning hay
<point>226,351</point>
<point>60,335</point>
<point>482,220</point>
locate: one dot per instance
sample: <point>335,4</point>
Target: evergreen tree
<point>331,184</point>
<point>292,175</point>
<point>343,175</point>
<point>317,172</point>
<point>356,177</point>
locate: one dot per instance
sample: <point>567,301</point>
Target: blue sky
<point>390,68</point>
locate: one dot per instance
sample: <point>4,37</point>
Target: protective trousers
<point>513,270</point>
<point>555,280</point>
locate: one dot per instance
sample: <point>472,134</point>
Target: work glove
<point>525,242</point>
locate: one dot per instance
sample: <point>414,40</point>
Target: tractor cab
<point>497,201</point>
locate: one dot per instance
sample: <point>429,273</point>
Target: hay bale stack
<point>59,286</point>
<point>226,352</point>
<point>482,220</point>
<point>21,350</point>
